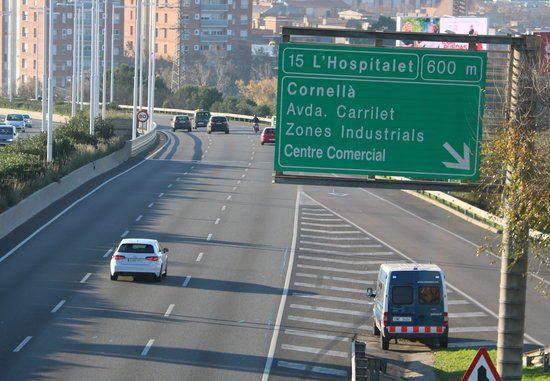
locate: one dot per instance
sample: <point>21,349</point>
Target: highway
<point>245,256</point>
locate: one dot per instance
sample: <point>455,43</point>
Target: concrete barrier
<point>41,199</point>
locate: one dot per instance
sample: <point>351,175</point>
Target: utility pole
<point>137,49</point>
<point>111,89</point>
<point>75,43</point>
<point>11,47</point>
<point>515,237</point>
<point>104,88</point>
<point>93,72</point>
<point>49,143</point>
<point>45,85</point>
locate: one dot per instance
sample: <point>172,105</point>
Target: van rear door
<point>430,299</point>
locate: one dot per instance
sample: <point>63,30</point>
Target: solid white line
<point>199,257</point>
<point>58,306</point>
<point>329,322</point>
<point>458,301</point>
<point>336,269</point>
<point>107,253</point>
<point>23,343</point>
<point>326,225</point>
<point>170,185</point>
<point>223,207</point>
<point>330,310</point>
<point>186,281</point>
<point>209,237</point>
<point>335,238</point>
<point>332,298</point>
<point>297,332</point>
<point>335,279</point>
<point>457,315</point>
<point>472,329</point>
<point>217,221</point>
<point>228,197</point>
<point>345,261</point>
<point>31,236</point>
<point>147,347</point>
<point>151,205</point>
<point>330,231</point>
<point>463,294</point>
<point>124,234</point>
<point>169,310</point>
<point>318,351</point>
<point>331,288</point>
<point>139,218</point>
<point>279,318</point>
<point>337,245</point>
<point>472,344</point>
<point>83,280</point>
<point>161,194</point>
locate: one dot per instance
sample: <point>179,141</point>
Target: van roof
<point>390,267</point>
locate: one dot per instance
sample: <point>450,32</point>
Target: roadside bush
<point>104,129</point>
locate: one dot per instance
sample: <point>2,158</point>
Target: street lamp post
<point>137,50</point>
<point>93,77</point>
<point>151,68</point>
<point>49,144</point>
<point>104,87</point>
<point>74,64</point>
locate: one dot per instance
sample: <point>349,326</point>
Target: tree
<point>262,92</point>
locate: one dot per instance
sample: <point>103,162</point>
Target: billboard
<point>449,25</point>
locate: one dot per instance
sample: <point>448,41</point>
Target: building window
<point>244,34</point>
<point>244,4</point>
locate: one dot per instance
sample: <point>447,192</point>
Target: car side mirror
<point>165,250</point>
<point>371,293</point>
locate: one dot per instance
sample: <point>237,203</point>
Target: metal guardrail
<point>143,142</point>
<point>365,367</point>
<point>538,357</point>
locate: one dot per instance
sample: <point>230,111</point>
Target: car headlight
<point>9,140</point>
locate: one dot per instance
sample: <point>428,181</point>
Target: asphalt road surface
<point>246,256</point>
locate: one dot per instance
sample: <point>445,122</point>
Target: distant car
<point>267,135</point>
<point>217,123</point>
<point>28,121</point>
<point>201,118</point>
<point>16,120</point>
<point>8,134</point>
<point>137,256</point>
<point>181,122</point>
<point>2,118</point>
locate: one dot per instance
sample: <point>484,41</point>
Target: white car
<point>17,120</point>
<point>136,256</point>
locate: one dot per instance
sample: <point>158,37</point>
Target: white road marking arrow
<point>462,162</point>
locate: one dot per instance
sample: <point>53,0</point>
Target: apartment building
<point>27,33</point>
<point>194,27</point>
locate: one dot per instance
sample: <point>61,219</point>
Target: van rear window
<point>402,294</point>
<point>429,295</point>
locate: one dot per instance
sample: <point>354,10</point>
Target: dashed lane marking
<point>186,281</point>
<point>124,234</point>
<point>317,351</point>
<point>139,218</point>
<point>321,219</point>
<point>326,225</point>
<point>147,347</point>
<point>209,237</point>
<point>217,222</point>
<point>150,205</point>
<point>330,231</point>
<point>199,257</point>
<point>22,344</point>
<point>161,194</point>
<point>107,253</point>
<point>228,197</point>
<point>330,310</point>
<point>170,185</point>
<point>169,310</point>
<point>58,306</point>
<point>224,207</point>
<point>85,278</point>
<point>315,335</point>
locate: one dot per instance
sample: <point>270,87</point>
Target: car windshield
<point>137,248</point>
<point>182,118</point>
<point>218,119</point>
<point>269,130</point>
<point>26,116</point>
<point>6,131</point>
<point>17,118</point>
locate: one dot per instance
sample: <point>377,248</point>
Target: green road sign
<point>357,110</point>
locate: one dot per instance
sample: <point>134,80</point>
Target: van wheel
<point>114,276</point>
<point>384,342</point>
<point>444,342</point>
<point>375,329</point>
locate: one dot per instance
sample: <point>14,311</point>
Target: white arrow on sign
<point>462,162</point>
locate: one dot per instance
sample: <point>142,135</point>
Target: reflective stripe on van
<point>415,329</point>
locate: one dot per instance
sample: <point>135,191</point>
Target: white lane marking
<point>139,218</point>
<point>234,188</point>
<point>22,344</point>
<point>318,351</point>
<point>209,237</point>
<point>345,261</point>
<point>456,289</point>
<point>472,344</point>
<point>246,169</point>
<point>206,151</point>
<point>330,310</point>
<point>331,298</point>
<point>238,182</point>
<point>243,176</point>
<point>317,214</point>
<point>224,207</point>
<point>151,205</point>
<point>217,222</point>
<point>348,254</point>
<point>336,269</point>
<point>169,310</point>
<point>107,253</point>
<point>335,278</point>
<point>337,245</point>
<point>458,315</point>
<point>186,173</point>
<point>186,281</point>
<point>291,365</point>
<point>326,225</point>
<point>473,329</point>
<point>170,185</point>
<point>447,231</point>
<point>335,238</point>
<point>321,219</point>
<point>178,179</point>
<point>31,236</point>
<point>192,167</point>
<point>297,332</point>
<point>228,197</point>
<point>58,306</point>
<point>329,371</point>
<point>199,257</point>
<point>124,234</point>
<point>331,288</point>
<point>330,231</point>
<point>147,347</point>
<point>249,164</point>
<point>331,323</point>
<point>280,311</point>
<point>458,301</point>
<point>161,194</point>
<point>85,278</point>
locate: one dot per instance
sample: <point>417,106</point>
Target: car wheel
<point>166,270</point>
<point>114,276</point>
<point>173,130</point>
<point>158,278</point>
<point>189,129</point>
<point>384,342</point>
<point>375,329</point>
<point>263,143</point>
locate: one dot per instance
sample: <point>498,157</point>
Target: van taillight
<point>119,257</point>
<point>445,318</point>
<point>385,318</point>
